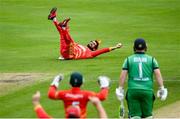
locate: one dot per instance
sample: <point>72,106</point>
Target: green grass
<point>30,43</point>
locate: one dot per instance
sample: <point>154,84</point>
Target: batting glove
<point>120,93</point>
<point>104,81</point>
<point>162,93</point>
<point>56,80</point>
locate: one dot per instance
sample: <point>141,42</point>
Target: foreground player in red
<point>75,96</point>
<point>72,50</point>
<point>72,111</point>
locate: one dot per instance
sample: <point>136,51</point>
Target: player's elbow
<point>51,95</point>
<point>102,98</point>
<point>104,94</point>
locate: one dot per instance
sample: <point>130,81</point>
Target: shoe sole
<point>53,10</point>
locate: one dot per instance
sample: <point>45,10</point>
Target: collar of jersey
<point>75,89</point>
<point>139,52</point>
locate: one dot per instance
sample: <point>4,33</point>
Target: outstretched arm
<point>105,50</point>
<point>101,51</point>
<point>104,83</point>
<point>119,45</point>
<point>53,93</point>
<point>40,112</point>
<point>99,107</point>
<point>103,94</point>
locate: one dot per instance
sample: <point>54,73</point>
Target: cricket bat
<point>122,110</point>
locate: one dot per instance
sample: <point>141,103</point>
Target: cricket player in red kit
<point>72,111</point>
<point>72,50</point>
<point>75,96</point>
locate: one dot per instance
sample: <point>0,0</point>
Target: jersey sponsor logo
<point>142,79</point>
<point>69,95</point>
<point>138,59</point>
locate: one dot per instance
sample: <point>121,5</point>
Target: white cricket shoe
<point>61,58</point>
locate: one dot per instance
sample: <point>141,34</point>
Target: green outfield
<point>29,43</point>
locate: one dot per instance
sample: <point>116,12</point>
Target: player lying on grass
<point>69,49</point>
<point>72,111</point>
<point>75,96</point>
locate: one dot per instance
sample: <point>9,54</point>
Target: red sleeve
<point>40,112</point>
<point>54,94</point>
<point>99,52</point>
<point>102,95</point>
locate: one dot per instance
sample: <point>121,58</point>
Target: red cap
<point>73,112</point>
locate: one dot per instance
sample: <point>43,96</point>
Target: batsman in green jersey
<point>140,68</point>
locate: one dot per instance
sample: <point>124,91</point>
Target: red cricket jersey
<point>76,96</point>
<point>71,50</point>
<point>78,51</point>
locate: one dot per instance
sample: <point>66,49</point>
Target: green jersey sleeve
<point>125,64</point>
<point>155,64</point>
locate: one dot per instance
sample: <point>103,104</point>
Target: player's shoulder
<point>64,91</point>
<point>131,56</point>
<point>87,92</point>
<point>149,56</point>
<point>141,55</point>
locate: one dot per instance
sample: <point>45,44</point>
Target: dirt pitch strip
<point>13,81</point>
<point>169,111</point>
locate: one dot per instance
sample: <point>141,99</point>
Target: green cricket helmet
<point>76,79</point>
